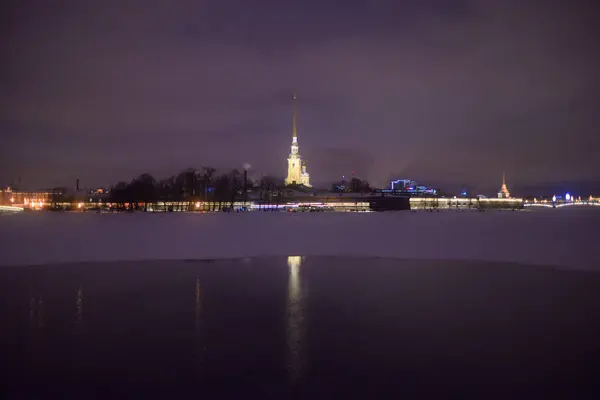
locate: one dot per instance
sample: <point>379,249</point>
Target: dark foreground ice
<point>299,327</point>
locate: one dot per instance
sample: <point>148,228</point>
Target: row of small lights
<point>568,197</point>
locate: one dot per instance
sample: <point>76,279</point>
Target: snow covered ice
<point>549,237</point>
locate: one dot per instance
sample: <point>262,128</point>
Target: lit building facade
<point>11,197</point>
<point>296,174</point>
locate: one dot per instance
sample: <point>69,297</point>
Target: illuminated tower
<point>503,193</point>
<point>297,174</point>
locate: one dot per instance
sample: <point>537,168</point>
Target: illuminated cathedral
<point>503,193</point>
<point>296,174</point>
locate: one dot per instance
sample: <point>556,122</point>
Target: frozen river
<point>280,318</point>
<point>562,237</point>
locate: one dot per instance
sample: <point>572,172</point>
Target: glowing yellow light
<point>12,199</point>
<point>79,205</point>
<point>198,205</point>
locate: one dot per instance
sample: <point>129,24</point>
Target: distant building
<point>5,196</point>
<point>297,174</point>
<point>93,195</point>
<point>402,184</point>
<point>11,197</point>
<point>503,193</point>
<point>408,187</point>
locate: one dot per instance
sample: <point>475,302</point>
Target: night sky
<point>444,92</point>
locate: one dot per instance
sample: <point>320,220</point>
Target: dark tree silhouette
<point>119,194</point>
<point>166,192</point>
<point>236,188</point>
<point>143,191</point>
<point>180,192</point>
<point>270,189</point>
<point>207,182</point>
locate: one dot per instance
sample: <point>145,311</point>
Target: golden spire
<point>504,190</point>
<point>294,118</point>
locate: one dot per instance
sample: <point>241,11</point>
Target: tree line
<point>183,191</point>
<point>204,189</point>
<point>211,189</point>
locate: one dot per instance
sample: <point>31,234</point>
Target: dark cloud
<point>438,90</point>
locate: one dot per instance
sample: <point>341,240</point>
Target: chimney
<point>77,185</point>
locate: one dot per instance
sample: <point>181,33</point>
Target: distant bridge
<point>560,205</point>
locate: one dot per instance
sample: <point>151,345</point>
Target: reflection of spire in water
<point>295,319</point>
<point>294,262</point>
<point>79,304</point>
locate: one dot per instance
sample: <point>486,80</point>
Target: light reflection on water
<point>252,325</point>
<point>295,327</point>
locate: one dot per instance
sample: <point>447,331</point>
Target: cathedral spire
<point>504,193</point>
<point>294,133</point>
<point>297,174</point>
